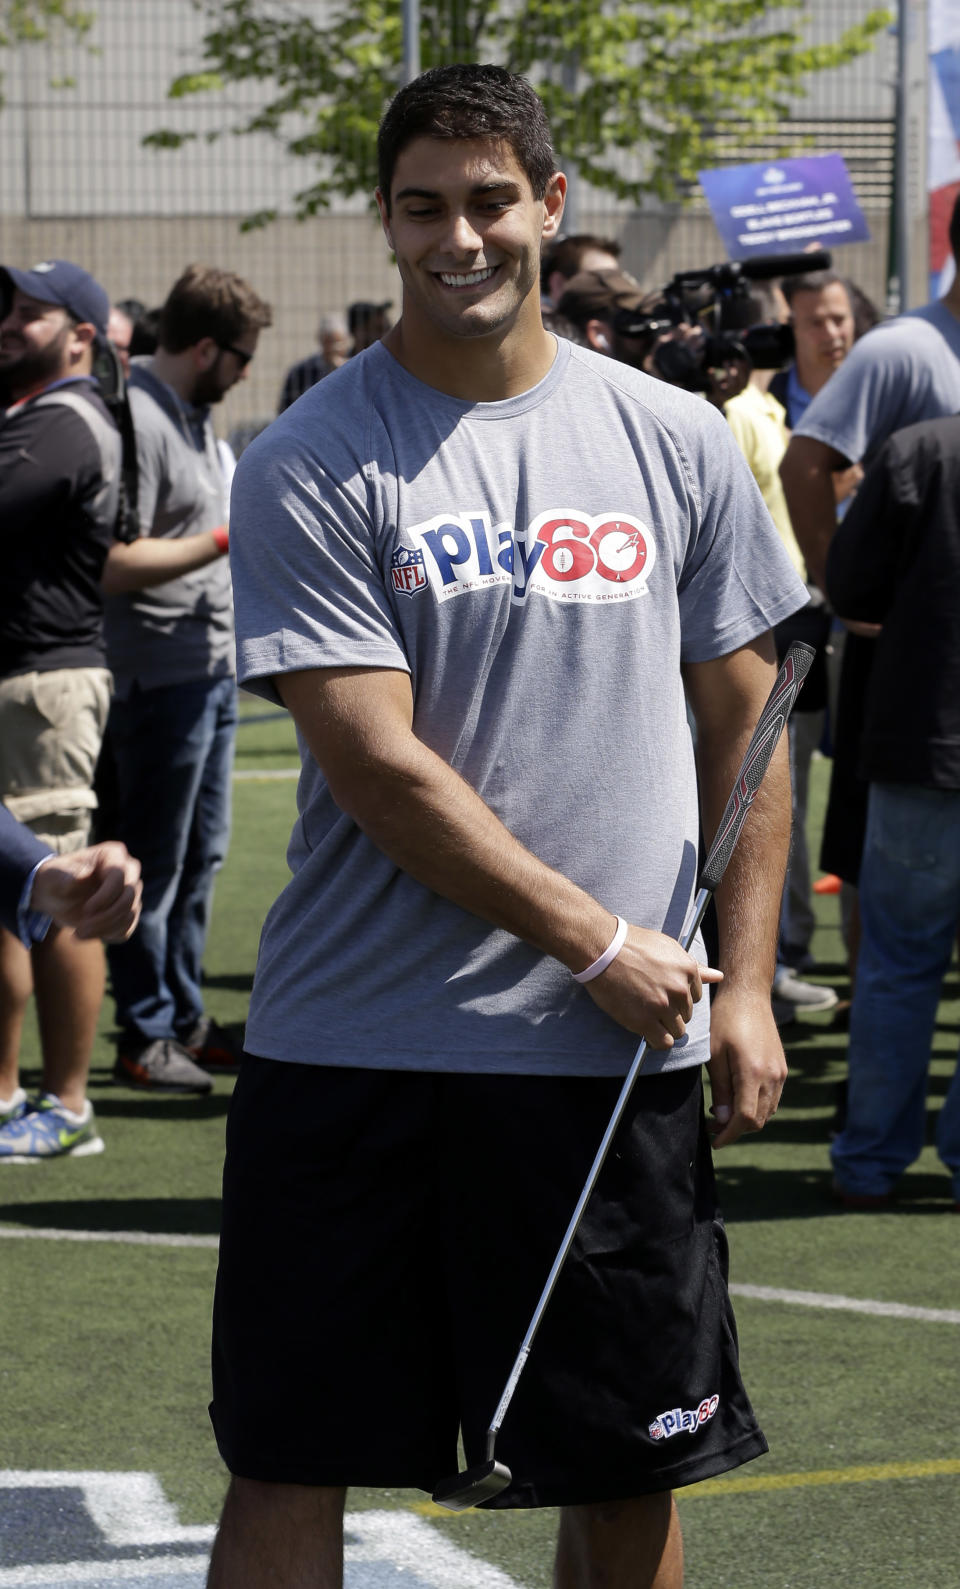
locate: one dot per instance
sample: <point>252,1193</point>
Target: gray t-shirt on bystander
<point>899,374</point>
<point>540,567</point>
<point>181,631</point>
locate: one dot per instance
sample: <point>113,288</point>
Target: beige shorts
<point>51,729</point>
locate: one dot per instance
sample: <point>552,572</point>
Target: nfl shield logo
<point>407,571</point>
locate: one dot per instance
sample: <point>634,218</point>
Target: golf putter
<point>486,1479</point>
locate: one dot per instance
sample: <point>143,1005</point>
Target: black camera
<point>711,303</point>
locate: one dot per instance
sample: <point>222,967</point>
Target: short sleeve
<point>308,588</point>
<point>872,394</point>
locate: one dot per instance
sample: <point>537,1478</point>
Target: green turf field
<point>103,1344</point>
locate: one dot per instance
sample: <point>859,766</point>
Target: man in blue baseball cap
<point>59,491</point>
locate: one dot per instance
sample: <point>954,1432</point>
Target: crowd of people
<point>438,554</point>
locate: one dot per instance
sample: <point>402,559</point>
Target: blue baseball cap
<point>69,286</point>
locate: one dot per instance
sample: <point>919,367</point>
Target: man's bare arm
<point>747,1067</point>
<point>139,564</point>
<point>432,824</point>
<point>807,472</point>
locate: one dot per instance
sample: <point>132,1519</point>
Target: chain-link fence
<point>77,181</point>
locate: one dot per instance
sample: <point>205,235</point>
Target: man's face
<point>823,327</point>
<point>466,230</point>
<point>227,366</point>
<point>36,340</point>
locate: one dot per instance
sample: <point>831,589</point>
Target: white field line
<point>825,1300</point>
<point>252,775</point>
<point>127,1238</point>
<point>828,1300</point>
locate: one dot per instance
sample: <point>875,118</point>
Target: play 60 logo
<point>565,554</point>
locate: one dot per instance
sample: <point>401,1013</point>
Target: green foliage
<point>40,21</point>
<point>672,78</point>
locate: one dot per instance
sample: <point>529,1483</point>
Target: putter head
<point>473,1486</point>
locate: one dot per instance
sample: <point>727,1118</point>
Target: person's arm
<point>807,472</point>
<point>747,1066</point>
<point>153,560</point>
<point>358,725</point>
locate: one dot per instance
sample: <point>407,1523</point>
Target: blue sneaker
<point>46,1130</point>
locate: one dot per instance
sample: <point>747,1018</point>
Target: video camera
<point>713,300</point>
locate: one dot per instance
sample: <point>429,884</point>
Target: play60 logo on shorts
<point>681,1421</point>
<point>564,554</point>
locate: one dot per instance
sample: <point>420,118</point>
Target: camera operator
<point>612,315</point>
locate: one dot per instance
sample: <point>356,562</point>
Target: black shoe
<point>212,1046</point>
<point>161,1066</point>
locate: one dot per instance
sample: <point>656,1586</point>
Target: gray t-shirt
<point>540,567</point>
<point>899,374</point>
<point>180,631</point>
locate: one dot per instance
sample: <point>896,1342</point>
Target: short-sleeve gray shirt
<point>540,567</point>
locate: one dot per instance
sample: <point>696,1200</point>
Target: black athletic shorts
<point>386,1236</point>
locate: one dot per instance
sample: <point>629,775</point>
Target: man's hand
<point>747,1066</point>
<point>96,891</point>
<point>651,987</point>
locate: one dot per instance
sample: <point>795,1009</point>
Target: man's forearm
<point>432,825</point>
<point>155,560</point>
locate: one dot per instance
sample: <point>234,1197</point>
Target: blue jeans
<point>173,751</point>
<point>910,907</point>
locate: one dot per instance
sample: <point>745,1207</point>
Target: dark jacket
<point>895,560</point>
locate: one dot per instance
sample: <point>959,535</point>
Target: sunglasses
<point>238,353</point>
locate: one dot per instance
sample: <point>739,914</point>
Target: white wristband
<point>609,954</point>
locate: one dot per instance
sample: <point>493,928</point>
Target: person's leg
<point>634,1544</point>
<point>909,897</point>
<point>69,982</point>
<point>209,837</point>
<point>159,739</point>
<point>16,986</point>
<point>278,1536</point>
<point>948,1132</point>
<point>797,920</point>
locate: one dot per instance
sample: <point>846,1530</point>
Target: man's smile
<point>466,278</point>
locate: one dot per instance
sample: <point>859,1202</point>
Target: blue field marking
<point>63,1529</point>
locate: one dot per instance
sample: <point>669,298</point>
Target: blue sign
<point>784,206</point>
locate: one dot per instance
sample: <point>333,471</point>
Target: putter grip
<point>766,735</point>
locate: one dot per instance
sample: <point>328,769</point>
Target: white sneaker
<point>788,988</point>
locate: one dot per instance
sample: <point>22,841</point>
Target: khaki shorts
<point>51,729</point>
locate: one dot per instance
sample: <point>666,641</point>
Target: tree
<point>37,21</point>
<point>680,80</point>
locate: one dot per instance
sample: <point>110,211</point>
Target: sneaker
<point>164,1065</point>
<point>12,1108</point>
<point>212,1046</point>
<point>788,988</point>
<point>48,1130</point>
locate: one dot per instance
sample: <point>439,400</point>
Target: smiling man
<point>479,566</point>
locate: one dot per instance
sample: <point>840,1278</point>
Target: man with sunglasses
<point>171,650</point>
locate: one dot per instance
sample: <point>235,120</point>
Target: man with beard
<point>171,651</point>
<point>59,482</point>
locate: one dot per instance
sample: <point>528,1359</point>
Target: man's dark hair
<point>814,281</point>
<point>566,253</point>
<point>954,232</point>
<point>468,102</point>
<point>207,302</point>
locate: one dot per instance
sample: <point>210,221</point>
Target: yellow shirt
<point>759,424</point>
